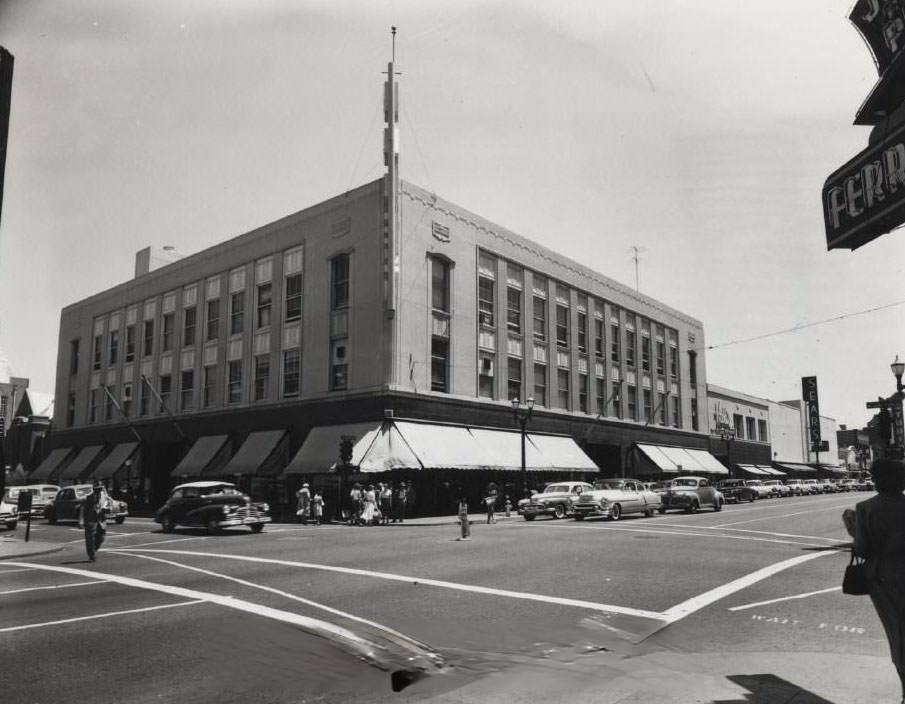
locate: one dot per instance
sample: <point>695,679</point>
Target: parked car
<point>796,487</point>
<point>848,485</point>
<point>68,503</point>
<point>42,495</point>
<point>763,491</point>
<point>810,486</point>
<point>614,498</point>
<point>736,491</point>
<point>777,488</point>
<point>9,513</point>
<point>555,500</point>
<point>690,494</point>
<point>213,505</point>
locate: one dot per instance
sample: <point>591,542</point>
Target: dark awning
<point>83,464</point>
<point>320,451</point>
<point>752,469</point>
<point>796,468</point>
<point>51,464</point>
<point>207,455</point>
<point>263,453</point>
<point>115,461</point>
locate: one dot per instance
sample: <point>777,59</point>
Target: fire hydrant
<point>463,520</point>
<point>508,506</point>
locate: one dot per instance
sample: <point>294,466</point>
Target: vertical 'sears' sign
<point>809,396</point>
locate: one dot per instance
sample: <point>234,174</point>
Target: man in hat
<point>93,518</point>
<point>303,510</point>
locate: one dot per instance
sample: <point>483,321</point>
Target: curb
<point>26,552</point>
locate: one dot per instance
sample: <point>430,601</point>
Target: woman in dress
<point>368,505</point>
<point>878,528</point>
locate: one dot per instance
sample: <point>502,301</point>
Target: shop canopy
<point>677,460</point>
<point>264,453</point>
<point>760,469</point>
<point>400,444</point>
<point>207,456</point>
<point>796,468</point>
<point>51,465</point>
<point>115,461</point>
<point>320,451</point>
<point>83,464</point>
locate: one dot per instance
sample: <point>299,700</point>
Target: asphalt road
<point>521,611</point>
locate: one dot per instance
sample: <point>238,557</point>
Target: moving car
<point>613,498</point>
<point>690,494</point>
<point>213,505</point>
<point>555,500</point>
<point>736,491</point>
<point>42,495</point>
<point>9,513</point>
<point>68,503</point>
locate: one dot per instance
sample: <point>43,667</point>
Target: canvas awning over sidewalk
<point>676,460</point>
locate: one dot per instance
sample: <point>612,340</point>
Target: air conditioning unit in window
<point>486,319</point>
<point>486,366</point>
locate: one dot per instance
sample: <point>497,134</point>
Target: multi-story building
<point>383,313</point>
<point>739,426</point>
<point>791,437</point>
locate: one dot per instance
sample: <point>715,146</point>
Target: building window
<point>645,353</point>
<point>694,414</point>
<point>540,320</point>
<point>113,350</point>
<point>293,297</point>
<point>439,285</point>
<point>237,313</point>
<point>291,372</point>
<point>339,377</point>
<point>540,384</point>
<point>750,431</point>
<point>514,310</point>
<point>339,288</point>
<point>648,407</point>
<point>74,357</point>
<point>144,398</point>
<point>514,381</point>
<point>109,395</point>
<point>127,399</point>
<point>673,363</point>
<point>674,411</point>
<point>148,347</point>
<point>661,358</point>
<point>130,343</point>
<point>213,319</point>
<point>661,409</point>
<point>583,393</point>
<point>189,318</point>
<point>630,348</point>
<point>739,424</point>
<point>562,388</point>
<point>187,388</point>
<point>762,434</point>
<point>439,365</point>
<point>486,288</point>
<point>693,369</point>
<point>70,410</point>
<point>98,342</point>
<point>616,394</point>
<point>165,389</point>
<point>265,293</point>
<point>600,384</point>
<point>262,376</point>
<point>167,340</point>
<point>562,326</point>
<point>615,352</point>
<point>92,405</point>
<point>632,402</point>
<point>582,332</point>
<point>485,376</point>
<point>599,327</point>
<point>210,386</point>
<point>234,383</point>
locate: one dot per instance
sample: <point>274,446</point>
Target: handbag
<point>854,581</point>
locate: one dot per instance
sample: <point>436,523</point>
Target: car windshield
<point>684,482</point>
<point>610,484</point>
<point>556,488</point>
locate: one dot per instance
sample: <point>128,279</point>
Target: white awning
<point>503,450</point>
<point>674,460</point>
<point>751,469</point>
<point>563,453</point>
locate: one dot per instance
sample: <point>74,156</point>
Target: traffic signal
<point>345,450</point>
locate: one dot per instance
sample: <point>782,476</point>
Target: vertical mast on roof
<point>391,203</point>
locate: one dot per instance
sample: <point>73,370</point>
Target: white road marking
<point>164,542</point>
<point>109,614</point>
<point>3,571</point>
<point>775,516</point>
<point>690,532</point>
<point>784,598</point>
<point>759,532</point>
<point>51,586</point>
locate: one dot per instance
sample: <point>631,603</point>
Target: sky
<point>677,146</point>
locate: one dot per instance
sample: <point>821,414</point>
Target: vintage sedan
<point>690,494</point>
<point>9,513</point>
<point>736,491</point>
<point>213,505</point>
<point>614,498</point>
<point>763,491</point>
<point>555,500</point>
<point>42,495</point>
<point>67,505</point>
<point>777,487</point>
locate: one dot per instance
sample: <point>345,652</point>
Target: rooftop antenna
<point>636,249</point>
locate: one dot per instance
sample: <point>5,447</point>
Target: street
<point>690,604</point>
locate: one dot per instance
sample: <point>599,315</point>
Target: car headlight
<point>226,510</point>
<point>264,507</point>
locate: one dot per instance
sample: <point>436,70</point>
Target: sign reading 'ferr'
<point>865,198</point>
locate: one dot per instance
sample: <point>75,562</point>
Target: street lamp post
<point>522,414</point>
<point>727,433</point>
<point>898,431</point>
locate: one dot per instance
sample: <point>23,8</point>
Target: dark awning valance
<point>83,464</point>
<point>207,455</point>
<point>264,453</point>
<point>51,465</point>
<point>115,461</point>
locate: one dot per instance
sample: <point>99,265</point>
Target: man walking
<point>93,518</point>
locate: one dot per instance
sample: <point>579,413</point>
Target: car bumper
<point>530,510</point>
<point>243,520</point>
<point>591,510</point>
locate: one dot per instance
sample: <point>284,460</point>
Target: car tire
<point>212,526</point>
<point>717,505</point>
<point>559,511</point>
<point>615,512</point>
<point>257,527</point>
<point>12,525</point>
<point>693,507</point>
<point>751,498</point>
<point>167,525</point>
<point>661,510</point>
<point>529,516</point>
<point>648,513</point>
<point>120,519</point>
<point>578,516</point>
<point>51,519</point>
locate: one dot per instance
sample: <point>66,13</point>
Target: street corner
<point>12,548</point>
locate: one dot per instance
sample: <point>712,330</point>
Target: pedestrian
<point>490,497</point>
<point>356,495</point>
<point>410,499</point>
<point>386,503</point>
<point>507,505</point>
<point>317,507</point>
<point>878,528</point>
<point>303,508</point>
<point>400,496</point>
<point>93,518</point>
<point>369,511</point>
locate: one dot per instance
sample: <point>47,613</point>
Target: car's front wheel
<point>693,507</point>
<point>615,512</point>
<point>120,519</point>
<point>751,498</point>
<point>257,527</point>
<point>718,505</point>
<point>529,516</point>
<point>213,527</point>
<point>559,511</point>
<point>166,524</point>
<point>578,516</point>
<point>661,510</point>
<point>51,518</point>
<point>12,525</point>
